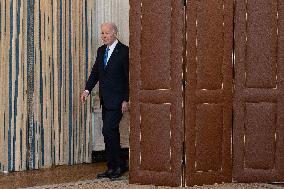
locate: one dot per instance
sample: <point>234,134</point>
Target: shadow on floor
<point>54,175</point>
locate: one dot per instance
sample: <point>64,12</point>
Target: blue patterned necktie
<point>105,57</point>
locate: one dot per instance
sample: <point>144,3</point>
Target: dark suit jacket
<point>114,79</point>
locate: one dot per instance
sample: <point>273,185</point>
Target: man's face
<point>108,34</point>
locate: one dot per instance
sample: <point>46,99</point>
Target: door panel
<point>163,35</point>
<point>258,99</point>
<point>208,93</point>
<point>156,131</point>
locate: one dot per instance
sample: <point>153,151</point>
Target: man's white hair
<point>113,25</point>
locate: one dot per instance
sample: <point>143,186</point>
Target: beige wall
<point>116,11</point>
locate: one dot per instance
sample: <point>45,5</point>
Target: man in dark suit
<point>111,69</point>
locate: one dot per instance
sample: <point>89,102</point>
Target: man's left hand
<point>124,106</point>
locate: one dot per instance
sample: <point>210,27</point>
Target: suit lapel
<point>113,56</point>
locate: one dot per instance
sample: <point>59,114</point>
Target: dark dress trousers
<point>113,90</point>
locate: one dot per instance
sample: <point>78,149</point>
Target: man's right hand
<point>84,95</point>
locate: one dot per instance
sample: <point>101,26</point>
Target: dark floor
<point>55,175</point>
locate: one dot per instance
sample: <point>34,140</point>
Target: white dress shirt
<point>111,48</point>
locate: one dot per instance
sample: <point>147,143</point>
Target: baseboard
<point>99,156</point>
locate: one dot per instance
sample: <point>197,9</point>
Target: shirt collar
<point>111,48</point>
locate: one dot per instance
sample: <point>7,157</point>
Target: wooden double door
<point>206,91</point>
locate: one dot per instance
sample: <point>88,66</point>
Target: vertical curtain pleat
<point>46,55</point>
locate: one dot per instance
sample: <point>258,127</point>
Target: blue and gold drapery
<point>45,58</point>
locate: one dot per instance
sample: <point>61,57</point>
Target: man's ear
<point>115,34</point>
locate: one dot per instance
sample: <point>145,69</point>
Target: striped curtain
<point>45,58</point>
